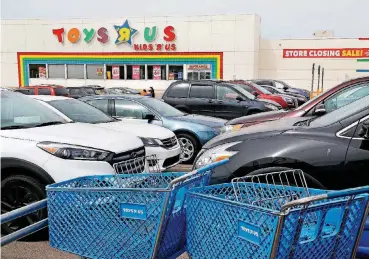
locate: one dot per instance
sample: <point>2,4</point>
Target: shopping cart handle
<point>212,166</point>
<point>348,192</point>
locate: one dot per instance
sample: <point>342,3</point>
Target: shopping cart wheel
<point>311,181</point>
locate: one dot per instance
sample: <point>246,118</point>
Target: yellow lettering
<point>124,34</point>
<point>344,54</point>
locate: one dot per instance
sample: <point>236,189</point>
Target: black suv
<point>82,91</point>
<point>215,98</point>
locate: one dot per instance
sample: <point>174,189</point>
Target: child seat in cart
<point>274,215</point>
<point>124,215</point>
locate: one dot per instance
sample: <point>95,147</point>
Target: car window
<point>279,85</point>
<point>80,111</point>
<point>346,96</point>
<point>161,107</point>
<point>74,91</point>
<point>88,91</point>
<point>226,93</point>
<point>341,113</point>
<point>18,110</point>
<point>179,90</point>
<point>26,91</point>
<point>202,91</point>
<point>129,109</point>
<point>44,91</point>
<point>61,91</point>
<point>244,92</point>
<point>247,88</point>
<point>359,127</point>
<point>102,105</point>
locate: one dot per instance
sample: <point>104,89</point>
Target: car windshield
<point>260,88</point>
<point>88,91</point>
<point>20,111</point>
<point>341,113</point>
<point>80,112</point>
<point>244,92</point>
<point>161,107</point>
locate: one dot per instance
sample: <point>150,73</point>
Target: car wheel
<point>310,181</point>
<point>189,147</point>
<point>18,191</point>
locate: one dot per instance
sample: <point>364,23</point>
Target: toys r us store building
<point>153,51</point>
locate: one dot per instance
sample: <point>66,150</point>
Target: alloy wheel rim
<point>16,196</point>
<point>187,148</point>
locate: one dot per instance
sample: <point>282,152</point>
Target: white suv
<point>39,147</point>
<point>158,141</point>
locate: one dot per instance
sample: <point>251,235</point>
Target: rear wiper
<point>49,123</point>
<point>14,127</point>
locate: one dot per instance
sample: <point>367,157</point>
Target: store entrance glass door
<point>198,72</point>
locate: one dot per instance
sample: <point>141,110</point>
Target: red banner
<point>136,72</point>
<point>115,72</point>
<point>326,53</point>
<point>156,72</point>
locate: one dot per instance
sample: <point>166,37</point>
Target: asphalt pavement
<point>37,250</point>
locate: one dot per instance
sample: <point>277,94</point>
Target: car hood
<point>78,134</point>
<point>263,130</point>
<point>200,119</point>
<point>138,129</point>
<point>259,117</point>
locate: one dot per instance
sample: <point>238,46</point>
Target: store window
<point>202,91</point>
<point>115,72</point>
<point>179,91</point>
<point>102,105</point>
<point>56,71</point>
<point>135,72</point>
<point>37,71</point>
<point>75,71</point>
<point>156,72</point>
<point>175,73</point>
<point>198,71</point>
<point>95,71</point>
<point>129,109</point>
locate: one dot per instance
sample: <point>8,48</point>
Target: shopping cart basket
<point>123,215</point>
<point>253,217</point>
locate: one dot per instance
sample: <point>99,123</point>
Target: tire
<point>18,191</point>
<point>189,147</point>
<point>310,181</point>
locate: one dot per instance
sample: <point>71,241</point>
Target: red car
<point>55,90</point>
<point>336,97</point>
<point>261,93</point>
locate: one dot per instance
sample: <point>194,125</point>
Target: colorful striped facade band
<point>215,59</point>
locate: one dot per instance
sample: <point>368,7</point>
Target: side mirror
<point>364,131</point>
<point>239,98</point>
<point>319,110</point>
<point>150,117</point>
<point>256,94</point>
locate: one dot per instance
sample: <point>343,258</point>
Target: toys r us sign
<point>125,34</point>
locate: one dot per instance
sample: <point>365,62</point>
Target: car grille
<point>170,142</point>
<point>130,162</point>
<point>171,161</point>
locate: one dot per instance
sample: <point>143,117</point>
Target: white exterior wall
<point>237,36</point>
<point>298,71</point>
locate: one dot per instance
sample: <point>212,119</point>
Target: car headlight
<point>287,99</point>
<point>231,128</point>
<point>151,142</point>
<point>215,154</point>
<point>73,152</point>
<point>271,106</point>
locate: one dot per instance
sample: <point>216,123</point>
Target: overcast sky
<point>279,18</point>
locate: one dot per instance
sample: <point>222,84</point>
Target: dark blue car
<point>192,131</point>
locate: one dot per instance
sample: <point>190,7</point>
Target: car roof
<point>44,85</point>
<point>111,96</point>
<point>47,98</point>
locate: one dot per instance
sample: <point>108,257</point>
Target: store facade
<point>140,52</point>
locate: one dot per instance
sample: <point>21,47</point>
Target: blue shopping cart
<point>274,215</point>
<point>136,216</point>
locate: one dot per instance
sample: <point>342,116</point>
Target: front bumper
<point>166,157</point>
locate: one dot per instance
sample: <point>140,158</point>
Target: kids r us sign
<point>155,39</point>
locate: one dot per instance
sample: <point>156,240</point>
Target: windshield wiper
<point>14,127</point>
<point>49,123</point>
